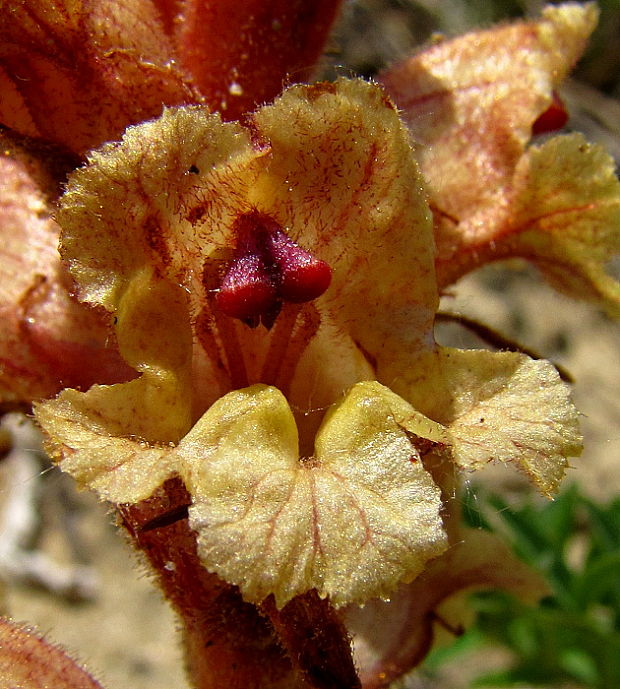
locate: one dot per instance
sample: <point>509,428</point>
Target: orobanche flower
<point>244,341</point>
<point>473,105</point>
<point>273,286</point>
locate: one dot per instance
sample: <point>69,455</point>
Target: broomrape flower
<point>283,430</point>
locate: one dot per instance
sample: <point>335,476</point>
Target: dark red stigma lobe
<point>268,269</point>
<point>302,276</point>
<point>247,289</point>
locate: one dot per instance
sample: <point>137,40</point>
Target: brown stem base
<point>312,632</point>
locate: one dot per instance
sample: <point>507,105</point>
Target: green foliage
<point>573,636</point>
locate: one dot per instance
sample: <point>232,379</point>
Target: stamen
<point>206,332</point>
<point>212,321</point>
<point>306,324</point>
<point>219,337</point>
<point>280,339</point>
<point>234,354</point>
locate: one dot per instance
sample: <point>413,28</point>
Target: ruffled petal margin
<point>352,521</point>
<point>501,407</point>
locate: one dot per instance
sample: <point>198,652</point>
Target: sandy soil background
<point>126,634</point>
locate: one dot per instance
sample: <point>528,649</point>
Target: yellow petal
<point>129,244</point>
<point>566,218</point>
<point>109,438</point>
<point>406,416</point>
<point>127,209</point>
<point>503,407</point>
<point>98,437</point>
<point>351,522</point>
<point>154,333</point>
<point>342,176</point>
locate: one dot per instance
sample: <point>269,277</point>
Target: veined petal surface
<point>352,521</point>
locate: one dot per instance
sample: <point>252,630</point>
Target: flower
<point>152,229</point>
<point>473,104</point>
<point>265,291</point>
